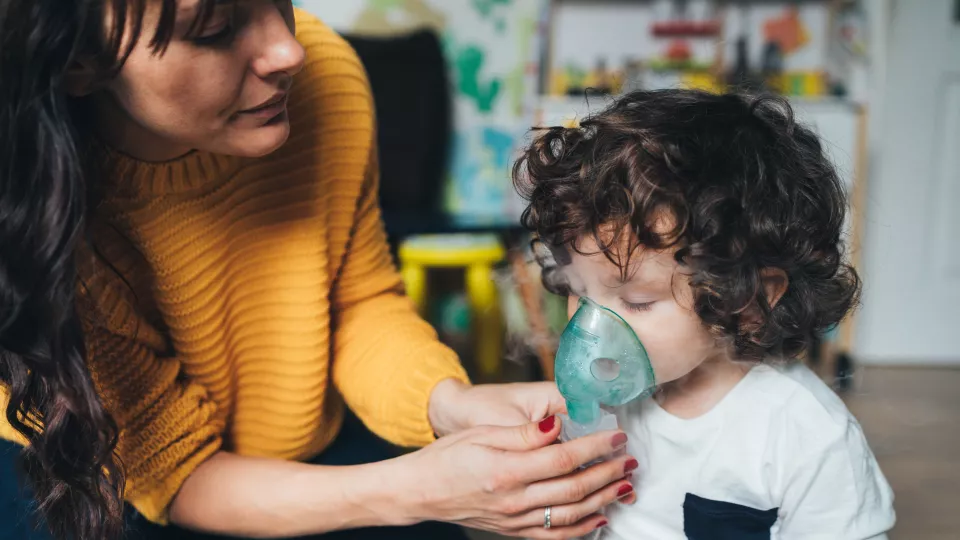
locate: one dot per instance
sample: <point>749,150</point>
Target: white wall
<point>912,264</point>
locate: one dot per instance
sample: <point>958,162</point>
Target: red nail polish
<point>619,440</point>
<point>625,489</point>
<point>630,465</point>
<point>601,524</point>
<point>546,425</point>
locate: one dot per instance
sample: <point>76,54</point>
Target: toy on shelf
<point>678,51</point>
<point>573,80</point>
<point>787,31</point>
<point>685,28</point>
<point>681,26</point>
<point>701,80</point>
<point>681,32</point>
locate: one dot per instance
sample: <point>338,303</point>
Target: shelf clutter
<point>805,49</point>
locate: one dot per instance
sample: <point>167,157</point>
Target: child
<point>712,225</point>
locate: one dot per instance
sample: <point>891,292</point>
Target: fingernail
<point>619,440</point>
<point>546,425</point>
<point>601,524</point>
<point>630,465</point>
<point>624,490</point>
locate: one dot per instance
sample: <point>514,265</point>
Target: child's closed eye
<point>636,307</point>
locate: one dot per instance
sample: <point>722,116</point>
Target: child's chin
<point>675,378</point>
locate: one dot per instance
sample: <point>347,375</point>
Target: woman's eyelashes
<point>222,26</point>
<point>219,33</point>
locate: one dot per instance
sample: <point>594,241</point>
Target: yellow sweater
<point>257,295</point>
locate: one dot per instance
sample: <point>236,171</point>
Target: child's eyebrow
<point>635,278</point>
<point>616,281</point>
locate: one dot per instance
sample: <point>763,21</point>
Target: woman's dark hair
<point>54,405</point>
<point>747,188</point>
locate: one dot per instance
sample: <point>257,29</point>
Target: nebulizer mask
<point>600,365</point>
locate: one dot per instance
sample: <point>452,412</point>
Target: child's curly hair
<point>747,187</point>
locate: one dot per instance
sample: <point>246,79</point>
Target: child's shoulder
<point>793,388</point>
<point>825,474</point>
<point>801,407</point>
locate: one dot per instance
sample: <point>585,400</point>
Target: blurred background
<point>459,83</point>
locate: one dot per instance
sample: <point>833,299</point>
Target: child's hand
<point>455,406</point>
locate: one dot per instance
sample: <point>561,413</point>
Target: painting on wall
<point>492,50</point>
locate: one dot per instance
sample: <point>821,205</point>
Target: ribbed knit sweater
<point>238,304</point>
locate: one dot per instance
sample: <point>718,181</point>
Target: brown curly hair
<point>748,189</point>
<point>47,190</point>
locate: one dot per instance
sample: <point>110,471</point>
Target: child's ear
<point>81,79</point>
<point>775,283</point>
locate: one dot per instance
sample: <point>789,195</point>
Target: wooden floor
<point>912,419</point>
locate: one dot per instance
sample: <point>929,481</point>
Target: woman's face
<point>221,90</point>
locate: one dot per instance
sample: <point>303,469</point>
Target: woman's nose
<point>279,50</point>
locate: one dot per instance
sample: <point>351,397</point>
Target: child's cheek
<point>661,357</point>
<point>673,352</point>
<point>572,304</point>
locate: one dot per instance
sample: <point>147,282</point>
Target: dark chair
<point>408,76</point>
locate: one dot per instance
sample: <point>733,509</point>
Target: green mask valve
<point>600,362</point>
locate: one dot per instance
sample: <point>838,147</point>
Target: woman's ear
<point>80,79</point>
<point>775,283</point>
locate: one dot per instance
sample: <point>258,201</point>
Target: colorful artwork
<point>468,61</point>
<point>491,47</point>
<point>480,173</point>
<point>488,9</point>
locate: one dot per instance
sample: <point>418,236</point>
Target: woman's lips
<point>269,109</point>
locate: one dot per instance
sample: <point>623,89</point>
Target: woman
<point>195,287</point>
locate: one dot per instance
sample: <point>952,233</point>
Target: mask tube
<point>600,362</point>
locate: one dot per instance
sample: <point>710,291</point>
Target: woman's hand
<point>501,479</point>
<point>455,406</point>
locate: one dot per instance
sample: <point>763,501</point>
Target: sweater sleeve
<point>167,425</point>
<point>387,360</point>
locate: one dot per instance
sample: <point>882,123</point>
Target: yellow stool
<point>476,253</point>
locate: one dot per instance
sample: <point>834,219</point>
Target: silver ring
<point>546,518</point>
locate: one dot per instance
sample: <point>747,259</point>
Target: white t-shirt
<point>780,457</point>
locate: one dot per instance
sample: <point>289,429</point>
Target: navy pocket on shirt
<point>704,519</point>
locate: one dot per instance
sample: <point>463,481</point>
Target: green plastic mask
<point>600,362</point>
